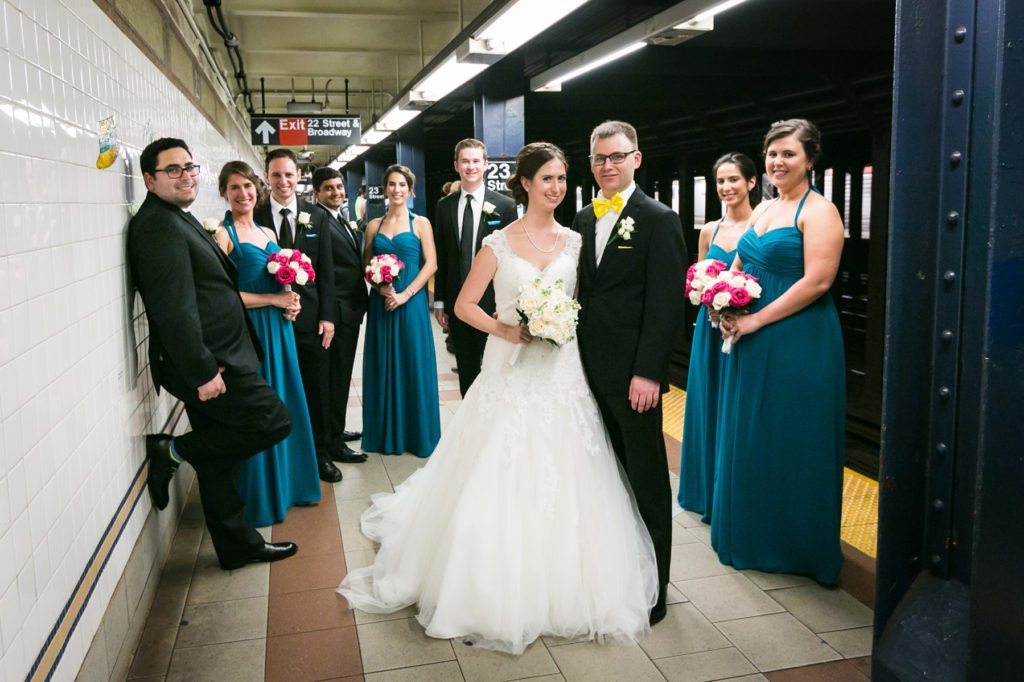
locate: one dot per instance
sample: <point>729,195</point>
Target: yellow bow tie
<point>602,205</point>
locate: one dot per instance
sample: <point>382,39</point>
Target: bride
<point>521,524</point>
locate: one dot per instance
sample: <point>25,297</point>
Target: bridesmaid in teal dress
<point>782,425</point>
<point>285,475</point>
<point>735,176</point>
<point>400,402</point>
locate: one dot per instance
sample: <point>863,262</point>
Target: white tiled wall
<point>69,423</point>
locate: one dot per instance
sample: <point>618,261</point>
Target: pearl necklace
<point>554,244</point>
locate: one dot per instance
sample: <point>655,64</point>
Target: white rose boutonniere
<point>211,225</point>
<point>624,230</point>
<point>489,208</point>
<point>303,219</point>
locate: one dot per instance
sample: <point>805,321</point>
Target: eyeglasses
<point>615,157</point>
<point>174,172</point>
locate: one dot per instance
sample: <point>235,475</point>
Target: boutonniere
<point>303,219</point>
<point>623,230</point>
<point>489,209</point>
<point>211,225</point>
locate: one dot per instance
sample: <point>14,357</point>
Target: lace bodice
<point>514,271</point>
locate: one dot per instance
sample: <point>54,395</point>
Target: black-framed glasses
<point>174,172</point>
<point>614,157</point>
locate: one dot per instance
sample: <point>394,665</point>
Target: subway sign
<point>305,130</point>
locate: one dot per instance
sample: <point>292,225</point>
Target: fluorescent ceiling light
<point>373,136</point>
<point>449,75</point>
<point>692,18</point>
<point>521,21</point>
<point>395,118</point>
<point>711,12</point>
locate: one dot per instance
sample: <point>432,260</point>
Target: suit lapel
<point>453,220</point>
<point>208,238</point>
<point>588,229</point>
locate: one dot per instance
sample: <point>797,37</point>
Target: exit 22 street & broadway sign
<point>304,130</point>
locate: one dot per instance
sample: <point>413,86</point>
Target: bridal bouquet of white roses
<point>548,312</point>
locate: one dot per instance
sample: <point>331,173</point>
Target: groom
<point>632,273</point>
<point>203,350</point>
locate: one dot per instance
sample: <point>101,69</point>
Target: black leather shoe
<point>271,551</point>
<point>351,435</point>
<point>328,472</point>
<point>658,614</point>
<point>161,468</point>
<point>347,455</point>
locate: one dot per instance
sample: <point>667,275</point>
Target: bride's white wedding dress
<point>521,523</point>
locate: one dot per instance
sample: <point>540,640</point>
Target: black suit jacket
<point>350,293</point>
<point>632,305</point>
<point>197,321</point>
<point>313,240</point>
<point>449,278</point>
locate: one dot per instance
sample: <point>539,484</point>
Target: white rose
<point>695,297</point>
<point>301,277</point>
<point>721,300</point>
<point>488,207</point>
<point>738,281</point>
<point>753,288</point>
<point>304,218</point>
<point>211,225</point>
<point>287,253</point>
<point>273,267</point>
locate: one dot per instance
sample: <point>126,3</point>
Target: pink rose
<point>707,297</point>
<point>285,275</point>
<point>718,287</point>
<point>690,273</point>
<point>688,288</point>
<point>715,267</point>
<point>296,256</point>
<point>385,270</point>
<point>739,298</point>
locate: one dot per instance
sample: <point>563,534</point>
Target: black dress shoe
<point>347,455</point>
<point>328,472</point>
<point>351,435</point>
<point>658,614</point>
<point>270,551</point>
<point>161,468</point>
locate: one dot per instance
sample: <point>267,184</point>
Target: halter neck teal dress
<point>274,480</point>
<point>782,427</point>
<point>401,412</point>
<point>697,464</point>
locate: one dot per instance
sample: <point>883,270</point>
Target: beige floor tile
<point>674,596</point>
<point>360,489</point>
<point>850,643</point>
<point>363,617</point>
<point>481,665</point>
<point>684,631</point>
<point>775,581</point>
<point>682,536</point>
<point>435,672</point>
<point>223,621</point>
<point>153,655</point>
<point>705,666</point>
<point>542,678</point>
<point>608,662</point>
<point>776,641</point>
<point>231,662</point>
<point>725,597</point>
<point>350,513</point>
<point>215,584</point>
<point>695,560</point>
<point>824,610</point>
<point>359,558</point>
<point>400,644</point>
<point>756,677</point>
<point>354,540</point>
<point>688,519</point>
<point>551,640</point>
<point>702,533</point>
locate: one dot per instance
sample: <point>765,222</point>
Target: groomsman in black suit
<point>298,226</point>
<point>461,221</point>
<point>351,300</point>
<point>631,271</point>
<point>203,350</point>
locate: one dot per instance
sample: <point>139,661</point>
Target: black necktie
<point>348,231</point>
<point>285,239</point>
<point>466,238</point>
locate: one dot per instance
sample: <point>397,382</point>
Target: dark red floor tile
<point>837,671</point>
<point>307,611</point>
<point>309,656</point>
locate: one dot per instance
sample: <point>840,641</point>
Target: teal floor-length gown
<point>401,412</point>
<point>277,479</point>
<point>697,463</point>
<point>782,426</point>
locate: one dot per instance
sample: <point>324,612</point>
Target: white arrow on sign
<point>266,130</point>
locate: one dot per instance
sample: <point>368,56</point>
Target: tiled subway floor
<point>285,622</point>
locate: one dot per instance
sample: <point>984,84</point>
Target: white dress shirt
<point>603,226</point>
<point>343,221</point>
<point>275,212</point>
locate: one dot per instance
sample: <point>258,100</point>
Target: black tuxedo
<point>318,304</point>
<point>351,301</point>
<point>631,309</point>
<point>197,325</point>
<point>469,342</point>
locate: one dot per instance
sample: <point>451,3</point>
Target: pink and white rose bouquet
<point>731,293</point>
<point>291,266</point>
<point>700,276</point>
<point>384,270</point>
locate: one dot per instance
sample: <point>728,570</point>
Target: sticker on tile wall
<point>108,143</point>
<point>147,133</point>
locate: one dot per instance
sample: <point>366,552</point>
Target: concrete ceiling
<point>378,45</point>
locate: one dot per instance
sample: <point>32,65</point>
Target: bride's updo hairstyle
<point>528,161</point>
